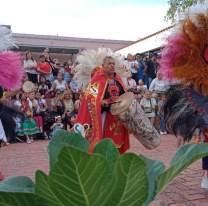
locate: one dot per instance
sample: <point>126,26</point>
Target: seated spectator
<point>41,102</point>
<point>36,88</point>
<point>60,84</point>
<point>56,126</point>
<point>67,77</point>
<point>43,85</point>
<point>141,66</point>
<point>44,67</point>
<point>158,86</point>
<point>141,88</point>
<point>149,105</point>
<point>36,114</point>
<point>71,122</point>
<point>30,67</point>
<point>77,105</point>
<point>67,99</point>
<point>151,69</point>
<point>162,120</point>
<point>75,90</point>
<point>57,105</point>
<point>29,126</point>
<point>134,67</point>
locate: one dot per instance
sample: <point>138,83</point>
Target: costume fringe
<point>7,115</point>
<point>181,118</point>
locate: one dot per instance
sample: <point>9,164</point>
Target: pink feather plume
<point>170,52</point>
<point>11,72</point>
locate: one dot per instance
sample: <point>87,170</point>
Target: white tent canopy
<point>146,44</point>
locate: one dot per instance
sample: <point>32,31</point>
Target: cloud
<point>80,18</point>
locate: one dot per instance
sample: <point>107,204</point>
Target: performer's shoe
<point>4,143</point>
<point>1,176</point>
<point>165,132</point>
<point>204,183</point>
<point>29,141</point>
<point>161,132</point>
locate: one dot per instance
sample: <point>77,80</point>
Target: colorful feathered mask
<point>185,56</point>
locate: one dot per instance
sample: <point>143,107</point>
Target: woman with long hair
<point>30,67</point>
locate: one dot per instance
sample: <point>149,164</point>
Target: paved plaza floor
<point>25,159</point>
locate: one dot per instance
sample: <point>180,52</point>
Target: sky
<point>107,19</point>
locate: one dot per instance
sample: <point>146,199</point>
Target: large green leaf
<point>17,199</point>
<point>76,179</point>
<point>153,169</point>
<point>129,184</point>
<point>18,184</point>
<point>108,150</point>
<point>185,156</point>
<point>17,191</point>
<point>63,138</point>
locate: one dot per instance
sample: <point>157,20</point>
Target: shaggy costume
<point>185,59</point>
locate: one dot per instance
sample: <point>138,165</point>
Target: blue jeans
<point>149,80</point>
<point>145,78</point>
<point>162,122</point>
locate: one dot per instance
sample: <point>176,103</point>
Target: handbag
<point>148,109</point>
<point>131,90</point>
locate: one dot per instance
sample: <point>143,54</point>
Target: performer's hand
<point>19,91</point>
<point>104,103</point>
<point>37,111</point>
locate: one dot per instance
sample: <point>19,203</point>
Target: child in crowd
<point>141,88</point>
<point>162,120</point>
<point>56,126</point>
<point>36,89</point>
<point>71,122</point>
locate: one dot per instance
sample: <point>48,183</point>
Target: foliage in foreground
<point>178,6</point>
<point>100,179</point>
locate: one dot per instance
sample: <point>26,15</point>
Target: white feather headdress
<point>90,59</point>
<point>6,39</point>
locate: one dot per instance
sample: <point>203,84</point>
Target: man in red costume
<point>94,120</point>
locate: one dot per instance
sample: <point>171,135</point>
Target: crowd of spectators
<point>56,99</point>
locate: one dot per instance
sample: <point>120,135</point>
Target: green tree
<point>178,6</point>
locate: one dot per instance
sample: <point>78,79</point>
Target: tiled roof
<point>69,38</point>
<point>170,27</point>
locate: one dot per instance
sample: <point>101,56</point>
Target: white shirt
<point>133,70</point>
<point>30,63</point>
<point>158,85</point>
<point>61,86</point>
<point>18,104</point>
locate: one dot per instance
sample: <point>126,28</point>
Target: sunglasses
<point>58,93</point>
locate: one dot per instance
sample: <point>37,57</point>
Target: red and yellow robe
<point>89,123</point>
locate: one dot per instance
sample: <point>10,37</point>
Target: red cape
<point>89,123</point>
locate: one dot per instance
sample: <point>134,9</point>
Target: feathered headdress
<point>10,62</point>
<point>185,56</point>
<point>90,62</point>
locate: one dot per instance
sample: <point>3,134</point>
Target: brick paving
<point>25,159</point>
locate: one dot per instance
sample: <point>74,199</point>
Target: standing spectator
<point>151,69</point>
<point>149,105</point>
<point>44,67</point>
<point>158,86</point>
<point>141,66</point>
<point>60,69</point>
<point>162,120</point>
<point>134,66</point>
<point>60,84</point>
<point>52,64</point>
<point>30,67</point>
<point>55,71</point>
<point>144,61</point>
<point>29,126</point>
<point>66,67</point>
